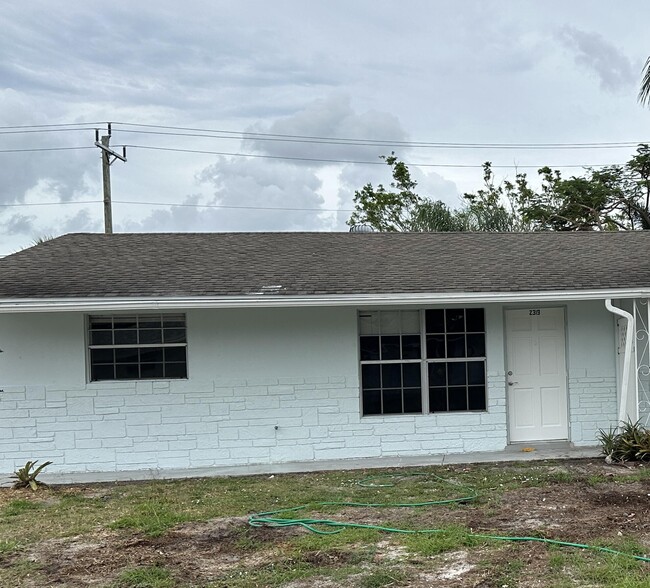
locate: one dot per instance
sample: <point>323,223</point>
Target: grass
<point>145,577</point>
<point>151,509</point>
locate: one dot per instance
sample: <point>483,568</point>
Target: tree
<point>402,209</point>
<point>644,91</point>
<point>613,198</point>
<point>387,210</point>
<point>610,199</point>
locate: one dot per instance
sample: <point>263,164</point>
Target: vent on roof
<point>361,229</point>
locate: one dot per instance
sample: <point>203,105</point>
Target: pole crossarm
<point>111,152</point>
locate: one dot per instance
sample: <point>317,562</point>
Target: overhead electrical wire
<point>35,149</point>
<point>385,142</point>
<point>351,161</point>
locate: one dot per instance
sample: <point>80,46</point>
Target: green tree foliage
<point>610,199</point>
<point>387,210</point>
<point>402,209</point>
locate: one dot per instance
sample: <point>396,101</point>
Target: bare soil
<point>202,552</point>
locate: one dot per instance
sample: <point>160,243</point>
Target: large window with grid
<point>137,347</point>
<point>422,361</point>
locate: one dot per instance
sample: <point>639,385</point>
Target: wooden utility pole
<point>107,152</point>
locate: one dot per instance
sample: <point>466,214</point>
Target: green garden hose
<point>271,518</point>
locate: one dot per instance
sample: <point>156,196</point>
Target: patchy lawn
<point>173,534</point>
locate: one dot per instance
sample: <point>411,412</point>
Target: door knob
<point>512,383</point>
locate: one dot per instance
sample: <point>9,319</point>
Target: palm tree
<point>644,92</point>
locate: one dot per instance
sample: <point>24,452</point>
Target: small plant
<point>629,442</point>
<point>26,476</point>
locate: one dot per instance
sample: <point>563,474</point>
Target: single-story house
<point>153,351</point>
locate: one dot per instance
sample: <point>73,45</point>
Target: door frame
<point>522,306</point>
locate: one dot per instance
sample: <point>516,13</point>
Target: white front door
<point>536,374</point>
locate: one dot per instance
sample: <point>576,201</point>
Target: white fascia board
<point>278,300</point>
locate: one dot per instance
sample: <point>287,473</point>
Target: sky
<point>247,78</point>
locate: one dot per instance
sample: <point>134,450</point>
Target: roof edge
<point>25,305</point>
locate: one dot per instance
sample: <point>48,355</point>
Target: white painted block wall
<point>264,386</point>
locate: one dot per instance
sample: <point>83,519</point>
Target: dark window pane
<point>475,320</point>
<point>149,336</point>
<point>435,346</point>
<point>128,355</point>
<point>174,335</point>
<point>455,320</point>
<point>371,402</point>
<point>127,371</point>
<point>476,397</point>
<point>176,354</point>
<point>125,322</point>
<point>175,370</point>
<point>475,372</point>
<point>412,400</point>
<point>126,337</point>
<point>435,320</point>
<point>390,347</point>
<point>392,401</point>
<point>476,345</point>
<point>458,398</point>
<point>437,399</point>
<point>369,348</point>
<point>102,372</point>
<point>456,373</point>
<point>150,322</point>
<point>173,321</point>
<point>410,346</point>
<point>101,337</point>
<point>101,356</point>
<point>391,375</point>
<point>437,374</point>
<point>151,355</point>
<point>151,370</point>
<point>101,322</point>
<point>456,346</point>
<point>411,375</point>
<point>370,377</point>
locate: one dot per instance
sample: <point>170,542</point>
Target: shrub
<point>629,442</point>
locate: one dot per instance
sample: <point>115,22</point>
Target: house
<point>153,351</point>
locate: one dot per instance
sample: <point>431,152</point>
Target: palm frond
<point>644,91</point>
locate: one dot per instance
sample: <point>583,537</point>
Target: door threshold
<point>539,445</point>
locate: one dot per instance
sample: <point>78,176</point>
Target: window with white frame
<point>137,347</point>
<point>422,361</point>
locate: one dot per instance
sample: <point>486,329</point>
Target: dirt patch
<point>197,552</point>
<point>200,552</point>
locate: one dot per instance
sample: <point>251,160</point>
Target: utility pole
<point>107,153</point>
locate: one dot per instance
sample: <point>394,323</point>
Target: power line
<point>383,142</point>
<point>34,149</point>
<point>83,124</point>
<point>357,162</point>
<point>314,159</point>
<point>183,204</point>
<point>388,144</point>
<point>27,131</point>
<point>50,203</point>
<point>284,208</point>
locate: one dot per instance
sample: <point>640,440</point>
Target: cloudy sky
<point>249,76</point>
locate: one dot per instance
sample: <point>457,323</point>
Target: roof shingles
<point>235,264</point>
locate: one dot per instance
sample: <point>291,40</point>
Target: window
<point>142,347</point>
<point>422,361</point>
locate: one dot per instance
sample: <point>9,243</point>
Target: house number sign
<point>534,312</point>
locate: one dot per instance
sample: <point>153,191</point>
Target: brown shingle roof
<point>229,264</point>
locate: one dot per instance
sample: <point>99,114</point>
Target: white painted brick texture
<point>158,425</point>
